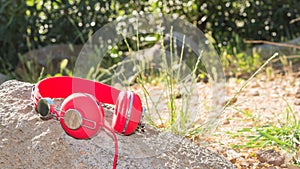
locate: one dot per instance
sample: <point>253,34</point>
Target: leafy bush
<point>12,32</point>
<point>32,24</point>
<point>230,21</point>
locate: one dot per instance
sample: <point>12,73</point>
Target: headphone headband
<point>80,115</point>
<point>128,111</point>
<point>63,86</point>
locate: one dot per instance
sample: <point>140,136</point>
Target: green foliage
<point>32,24</point>
<point>68,21</point>
<point>12,33</point>
<point>240,64</point>
<point>250,19</point>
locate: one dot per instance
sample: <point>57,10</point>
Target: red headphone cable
<point>116,146</point>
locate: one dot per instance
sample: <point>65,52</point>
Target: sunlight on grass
<point>285,135</point>
<point>169,77</point>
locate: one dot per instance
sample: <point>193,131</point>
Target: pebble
<point>270,156</point>
<point>298,94</point>
<point>297,102</point>
<point>254,92</point>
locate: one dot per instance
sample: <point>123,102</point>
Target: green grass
<point>169,79</point>
<point>283,134</point>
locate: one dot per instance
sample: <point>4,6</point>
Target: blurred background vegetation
<point>31,24</point>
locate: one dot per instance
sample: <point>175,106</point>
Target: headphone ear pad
<point>128,113</point>
<point>88,111</point>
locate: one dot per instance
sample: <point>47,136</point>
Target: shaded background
<point>32,24</point>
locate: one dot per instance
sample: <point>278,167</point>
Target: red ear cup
<point>128,113</point>
<point>81,116</point>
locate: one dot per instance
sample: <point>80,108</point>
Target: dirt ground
<point>262,102</point>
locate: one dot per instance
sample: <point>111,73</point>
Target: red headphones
<point>81,114</point>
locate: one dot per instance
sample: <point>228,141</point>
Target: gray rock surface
<point>266,50</point>
<point>26,141</point>
<point>3,78</point>
<point>270,156</point>
<point>53,52</point>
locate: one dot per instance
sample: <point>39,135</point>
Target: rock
<point>267,50</point>
<point>232,155</point>
<point>273,167</point>
<point>297,95</point>
<point>270,156</point>
<point>3,78</point>
<point>26,141</point>
<point>165,52</point>
<point>48,57</point>
<point>53,52</point>
<point>297,102</point>
<point>254,92</point>
<point>290,166</point>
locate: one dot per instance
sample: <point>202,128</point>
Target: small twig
<point>273,43</point>
<point>288,57</point>
<point>295,20</point>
